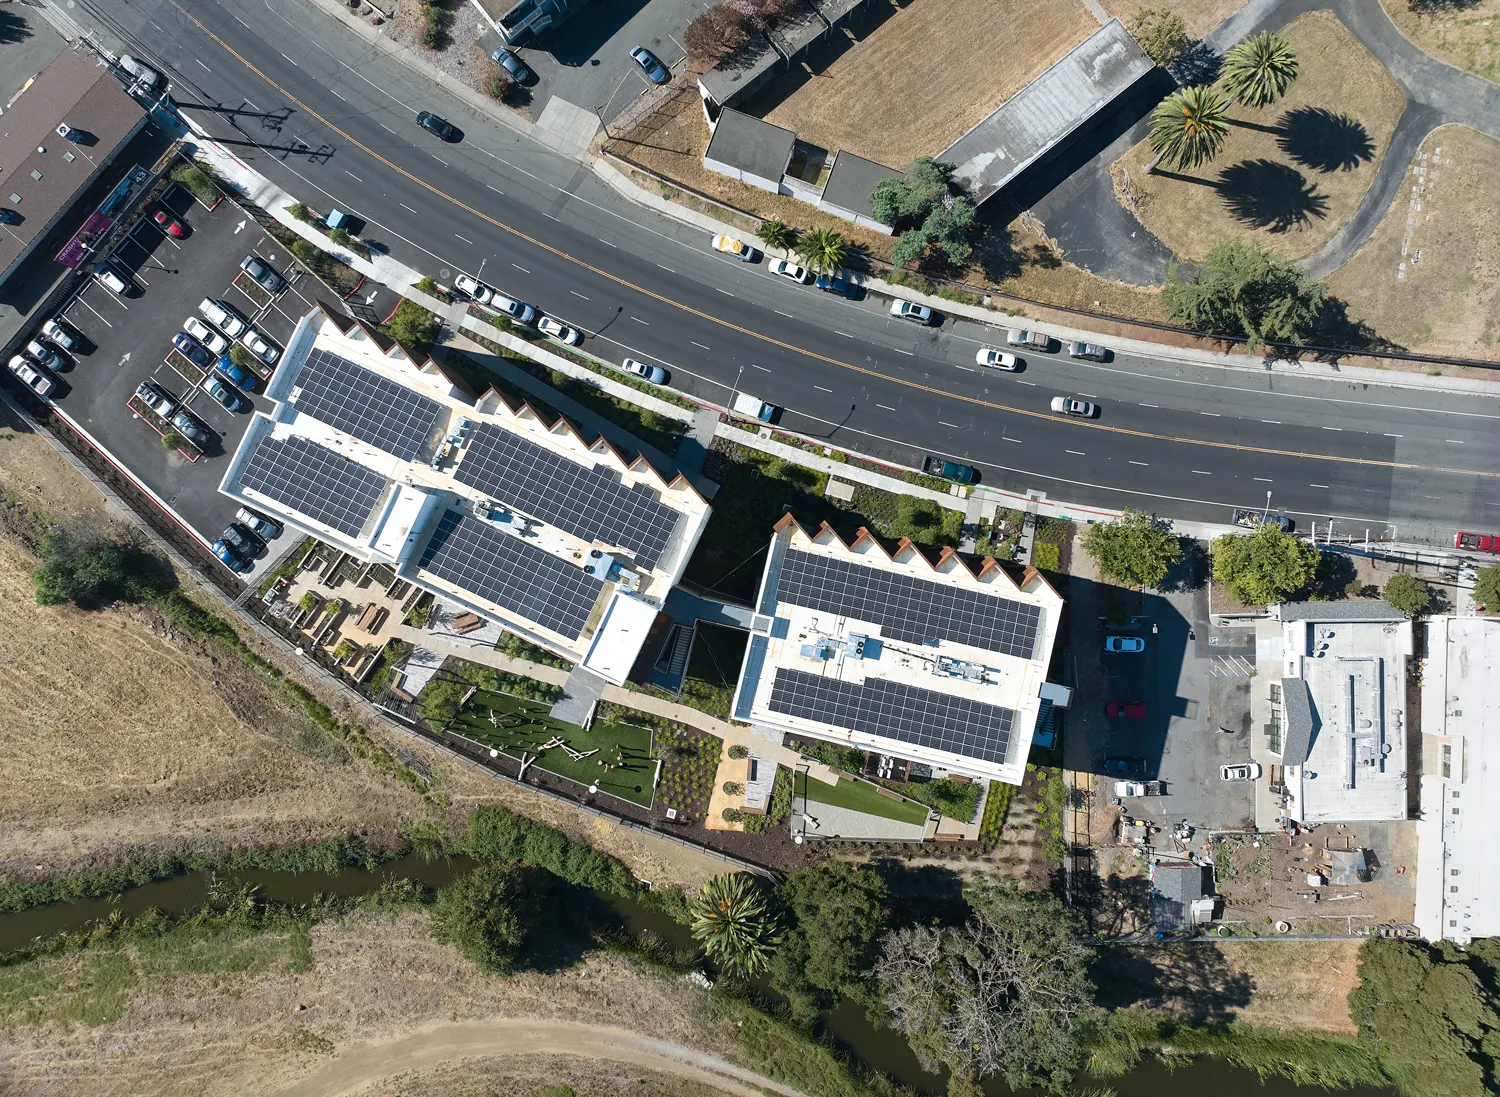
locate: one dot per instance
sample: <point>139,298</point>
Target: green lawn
<point>861,796</point>
<point>524,726</point>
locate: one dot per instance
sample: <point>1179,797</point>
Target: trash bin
<point>336,219</point>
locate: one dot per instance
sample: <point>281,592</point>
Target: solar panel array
<point>907,608</point>
<point>584,500</point>
<point>894,710</point>
<point>362,403</point>
<point>311,480</point>
<point>501,568</point>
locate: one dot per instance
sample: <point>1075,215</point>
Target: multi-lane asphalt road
<point>326,116</point>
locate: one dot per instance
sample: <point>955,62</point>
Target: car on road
<point>222,394</point>
<point>156,398</point>
<point>1477,542</point>
<point>828,283</point>
<point>40,352</point>
<point>645,370</point>
<point>194,351</point>
<point>268,279</point>
<point>1069,405</point>
<point>144,74</point>
<point>222,316</point>
<point>1091,352</point>
<point>1244,771</point>
<point>476,289</point>
<point>189,427</point>
<point>514,67</point>
<point>1125,789</point>
<point>1124,643</point>
<point>229,558</point>
<point>267,529</point>
<point>996,359</point>
<point>737,248</point>
<point>556,329</point>
<point>1125,767</point>
<point>788,269</point>
<point>651,65</point>
<point>106,274</point>
<point>235,373</point>
<point>519,311</point>
<point>1125,710</point>
<point>58,333</point>
<point>1020,337</point>
<point>209,337</point>
<point>440,128</point>
<point>163,219</point>
<point>950,470</point>
<point>910,310</point>
<point>31,375</point>
<point>258,345</point>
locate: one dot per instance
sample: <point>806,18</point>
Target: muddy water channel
<point>846,1025</point>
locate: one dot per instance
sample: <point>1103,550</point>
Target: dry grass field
<point>1201,16</point>
<point>1467,36</point>
<point>925,75</point>
<point>1289,174</point>
<point>1442,225</point>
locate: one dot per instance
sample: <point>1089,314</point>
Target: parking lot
<point>127,339</point>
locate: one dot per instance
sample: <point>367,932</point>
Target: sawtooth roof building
<point>566,542</point>
<point>893,653</point>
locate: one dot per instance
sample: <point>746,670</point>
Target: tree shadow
<point>1189,982</point>
<point>1191,570</point>
<point>1317,138</point>
<point>13,28</point>
<point>925,895</point>
<point>1199,64</point>
<point>1266,195</point>
<point>1335,328</point>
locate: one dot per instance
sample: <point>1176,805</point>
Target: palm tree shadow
<point>1317,138</point>
<point>1264,194</point>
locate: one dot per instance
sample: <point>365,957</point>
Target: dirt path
<point>360,1067</point>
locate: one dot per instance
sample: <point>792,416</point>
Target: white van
<point>222,317</point>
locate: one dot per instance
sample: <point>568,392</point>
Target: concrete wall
<point>772,185</point>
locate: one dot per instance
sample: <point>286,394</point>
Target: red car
<point>166,222</point>
<point>1126,710</point>
<point>1477,542</point>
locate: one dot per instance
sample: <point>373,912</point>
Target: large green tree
<point>92,570</point>
<point>1007,993</point>
<point>1161,33</point>
<point>1136,548</point>
<point>1258,70</point>
<point>735,924</point>
<point>1266,566</point>
<point>823,251</point>
<point>838,913</point>
<point>1189,126</point>
<point>489,913</point>
<point>1487,586</point>
<point>1407,593</point>
<point>1246,290</point>
<point>922,202</point>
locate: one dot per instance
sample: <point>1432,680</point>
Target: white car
<point>156,398</point>
<point>788,269</point>
<point>56,332</point>
<point>519,311</point>
<point>644,370</point>
<point>230,323</point>
<point>737,248</point>
<point>257,345</point>
<point>111,279</point>
<point>1069,406</point>
<point>1245,771</point>
<point>33,378</point>
<point>910,310</point>
<point>559,331</point>
<point>996,359</point>
<point>41,352</point>
<point>206,335</point>
<point>476,289</point>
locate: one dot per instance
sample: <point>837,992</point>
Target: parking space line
<point>95,311</point>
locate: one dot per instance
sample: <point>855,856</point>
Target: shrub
<point>172,440</point>
<point>426,285</point>
<point>733,788</point>
<point>306,251</point>
<point>200,182</point>
<point>1487,586</point>
<point>93,571</point>
<point>732,815</point>
<point>300,212</point>
<point>413,326</point>
<point>488,913</point>
<point>498,86</point>
<point>1161,33</point>
<point>242,357</point>
<point>739,751</point>
<point>1407,593</point>
<point>1046,556</point>
<point>498,835</point>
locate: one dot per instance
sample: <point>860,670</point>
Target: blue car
<point>651,65</point>
<point>194,351</point>
<point>841,286</point>
<point>236,373</point>
<point>229,558</point>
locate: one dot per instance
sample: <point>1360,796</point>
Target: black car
<point>514,67</point>
<point>436,126</point>
<point>1125,767</point>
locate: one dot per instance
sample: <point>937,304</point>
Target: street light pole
<point>1266,516</point>
<point>735,388</point>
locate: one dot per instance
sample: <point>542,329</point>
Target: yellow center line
<point>975,400</point>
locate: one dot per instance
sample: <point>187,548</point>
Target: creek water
<point>846,1025</point>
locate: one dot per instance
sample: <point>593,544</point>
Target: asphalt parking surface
<point>126,340</point>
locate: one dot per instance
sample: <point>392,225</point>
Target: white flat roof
<point>617,641</point>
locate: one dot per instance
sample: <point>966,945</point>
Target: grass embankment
<point>861,796</point>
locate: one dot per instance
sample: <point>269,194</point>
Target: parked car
<point>1124,643</point>
<point>1092,352</point>
<point>143,74</point>
<point>222,394</point>
<point>1125,767</point>
<point>788,269</point>
<point>949,470</point>
<point>269,280</point>
<point>737,248</point>
<point>996,359</point>
<point>1125,710</point>
<point>644,370</point>
<point>1244,771</point>
<point>910,310</point>
<point>559,331</point>
<point>156,398</point>
<point>55,331</point>
<point>189,427</point>
<point>32,375</point>
<point>828,283</point>
<point>519,311</point>
<point>476,289</point>
<point>209,337</point>
<point>258,345</point>
<point>754,407</point>
<point>517,69</point>
<point>1477,542</point>
<point>236,373</point>
<point>163,219</point>
<point>106,274</point>
<point>440,128</point>
<point>1125,789</point>
<point>194,351</point>
<point>229,558</point>
<point>242,541</point>
<point>1069,405</point>
<point>223,317</point>
<point>267,529</point>
<point>1020,337</point>
<point>43,354</point>
<point>651,65</point>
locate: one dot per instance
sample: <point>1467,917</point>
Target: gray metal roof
<point>745,67</point>
<point>1175,886</point>
<point>1037,118</point>
<point>1298,721</point>
<point>751,145</point>
<point>851,180</point>
<point>1377,610</point>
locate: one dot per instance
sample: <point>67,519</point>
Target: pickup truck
<point>1019,337</point>
<point>949,470</point>
<point>1137,788</point>
<point>754,407</point>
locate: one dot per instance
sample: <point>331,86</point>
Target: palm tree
<point>777,234</point>
<point>731,920</point>
<point>1258,70</point>
<point>1188,127</point>
<point>823,250</point>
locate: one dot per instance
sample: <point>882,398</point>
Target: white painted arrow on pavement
<point>239,226</point>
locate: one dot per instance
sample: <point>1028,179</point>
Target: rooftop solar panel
<point>501,568</point>
<point>894,710</point>
<point>907,608</point>
<point>362,403</point>
<point>589,502</point>
<point>309,479</point>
